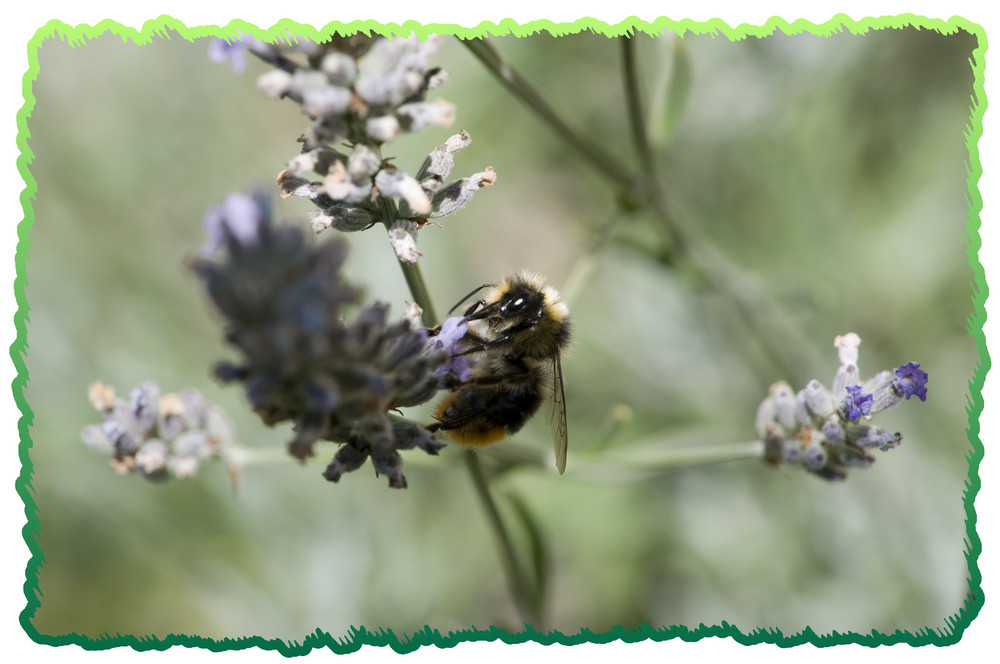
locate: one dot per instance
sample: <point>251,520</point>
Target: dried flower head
<point>829,431</point>
<point>161,435</point>
<point>286,309</point>
<point>365,92</point>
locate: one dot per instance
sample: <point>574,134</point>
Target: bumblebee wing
<point>557,416</point>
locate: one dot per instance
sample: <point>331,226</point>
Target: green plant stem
<point>636,117</point>
<point>418,289</point>
<point>521,87</point>
<point>655,454</point>
<point>528,602</point>
<point>652,457</point>
<point>674,237</point>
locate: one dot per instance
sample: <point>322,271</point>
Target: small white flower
<point>458,193</point>
<point>327,99</point>
<point>413,315</point>
<point>340,68</point>
<point>335,184</point>
<point>382,128</point>
<point>303,163</point>
<point>392,182</point>
<point>304,80</point>
<point>404,243</point>
<point>152,456</point>
<point>423,114</point>
<point>847,347</point>
<point>184,467</point>
<point>274,84</point>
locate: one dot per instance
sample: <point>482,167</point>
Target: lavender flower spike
<point>806,429</point>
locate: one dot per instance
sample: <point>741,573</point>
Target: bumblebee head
<point>520,310</point>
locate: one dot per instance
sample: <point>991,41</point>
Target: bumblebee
<point>516,334</point>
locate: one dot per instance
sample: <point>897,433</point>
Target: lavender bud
<point>814,456</point>
<point>792,451</point>
<point>784,404</point>
<point>145,406</point>
<point>325,99</point>
<point>93,435</point>
<point>151,459</point>
<point>767,415</point>
<point>274,84</point>
<point>404,242</point>
<point>396,183</point>
<point>413,315</point>
<point>833,431</point>
<point>457,194</point>
<point>344,218</point>
<point>847,348</point>
<point>847,374</point>
<point>340,68</point>
<point>183,467</point>
<point>420,115</point>
<point>383,129</point>
<point>818,401</point>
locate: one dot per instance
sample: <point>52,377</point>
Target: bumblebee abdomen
<point>480,415</point>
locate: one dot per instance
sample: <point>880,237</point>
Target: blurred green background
<point>831,170</point>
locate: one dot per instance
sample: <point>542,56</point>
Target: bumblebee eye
<point>514,306</point>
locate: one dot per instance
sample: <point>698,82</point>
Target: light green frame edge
<point>360,636</point>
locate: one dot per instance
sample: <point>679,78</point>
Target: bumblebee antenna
<point>459,303</point>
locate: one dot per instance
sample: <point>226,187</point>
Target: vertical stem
<point>418,289</point>
<point>637,120</point>
<point>673,236</point>
<point>516,579</point>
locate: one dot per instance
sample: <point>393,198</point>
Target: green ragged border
<point>359,637</point>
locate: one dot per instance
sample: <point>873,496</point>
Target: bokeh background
<point>830,170</point>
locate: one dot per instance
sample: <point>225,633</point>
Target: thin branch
<point>640,135</point>
<point>522,88</point>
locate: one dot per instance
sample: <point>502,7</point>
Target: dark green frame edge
<point>358,637</point>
